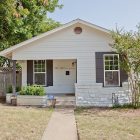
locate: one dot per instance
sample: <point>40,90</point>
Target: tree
<point>127,44</point>
<point>23,19</point>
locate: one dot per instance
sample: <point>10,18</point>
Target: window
<point>111,70</point>
<point>40,72</point>
<point>78,30</point>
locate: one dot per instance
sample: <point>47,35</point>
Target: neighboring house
<point>74,58</point>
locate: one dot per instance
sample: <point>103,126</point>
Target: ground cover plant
<point>108,124</point>
<point>21,123</point>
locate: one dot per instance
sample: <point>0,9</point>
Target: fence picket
<point>6,76</point>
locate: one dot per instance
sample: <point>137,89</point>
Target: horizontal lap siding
<point>66,45</point>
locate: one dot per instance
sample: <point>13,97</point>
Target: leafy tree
<point>127,44</point>
<point>24,19</point>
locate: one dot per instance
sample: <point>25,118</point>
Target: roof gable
<point>6,52</point>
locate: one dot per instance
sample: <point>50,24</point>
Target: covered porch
<point>57,76</point>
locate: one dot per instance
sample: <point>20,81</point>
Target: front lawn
<point>108,124</point>
<point>21,123</point>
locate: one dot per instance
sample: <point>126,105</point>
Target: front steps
<point>65,101</point>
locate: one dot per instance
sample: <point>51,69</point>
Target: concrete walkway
<point>61,126</point>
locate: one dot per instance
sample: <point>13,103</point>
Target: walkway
<point>61,126</point>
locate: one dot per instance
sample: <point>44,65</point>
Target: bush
<point>129,105</point>
<point>33,90</point>
<point>10,89</point>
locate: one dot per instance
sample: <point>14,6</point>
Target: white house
<point>73,58</point>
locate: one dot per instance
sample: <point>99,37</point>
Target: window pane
<point>106,57</point>
<point>39,66</point>
<point>106,62</point>
<point>115,62</point>
<point>116,68</point>
<point>116,57</point>
<point>39,78</point>
<point>106,67</point>
<point>111,67</point>
<point>111,78</point>
<point>111,58</point>
<point>111,62</point>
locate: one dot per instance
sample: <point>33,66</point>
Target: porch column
<point>14,77</point>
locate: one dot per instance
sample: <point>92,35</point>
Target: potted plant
<point>9,93</point>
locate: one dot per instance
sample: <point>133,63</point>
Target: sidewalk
<point>61,126</point>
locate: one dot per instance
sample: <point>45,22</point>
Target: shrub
<point>128,105</point>
<point>10,89</point>
<point>33,90</point>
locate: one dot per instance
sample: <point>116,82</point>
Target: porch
<point>58,76</point>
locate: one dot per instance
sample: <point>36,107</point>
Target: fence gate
<point>6,78</point>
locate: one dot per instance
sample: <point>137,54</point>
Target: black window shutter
<point>100,68</point>
<point>49,71</point>
<point>29,72</point>
<point>123,77</point>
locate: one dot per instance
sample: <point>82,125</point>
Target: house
<point>74,58</point>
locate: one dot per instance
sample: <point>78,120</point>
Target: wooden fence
<point>6,77</point>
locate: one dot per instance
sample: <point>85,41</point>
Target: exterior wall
<point>97,95</point>
<point>65,44</point>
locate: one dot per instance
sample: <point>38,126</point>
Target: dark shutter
<point>29,72</point>
<point>49,71</point>
<point>100,68</point>
<point>123,77</point>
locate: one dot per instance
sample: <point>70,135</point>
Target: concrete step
<point>65,101</point>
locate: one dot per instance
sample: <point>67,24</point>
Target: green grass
<point>108,124</point>
<point>21,123</point>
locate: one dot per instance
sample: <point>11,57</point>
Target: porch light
<point>73,64</point>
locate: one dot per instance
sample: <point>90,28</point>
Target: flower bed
<point>31,100</point>
<point>32,95</point>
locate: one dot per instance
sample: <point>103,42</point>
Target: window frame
<point>39,72</point>
<point>112,70</point>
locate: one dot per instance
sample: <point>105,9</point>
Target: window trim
<point>39,72</point>
<point>112,70</point>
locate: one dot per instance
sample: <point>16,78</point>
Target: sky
<point>106,13</point>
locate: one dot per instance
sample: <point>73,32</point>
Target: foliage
<point>33,90</point>
<point>129,105</point>
<point>23,19</point>
<point>127,44</point>
<point>10,89</point>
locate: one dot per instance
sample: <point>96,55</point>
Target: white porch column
<point>24,72</point>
